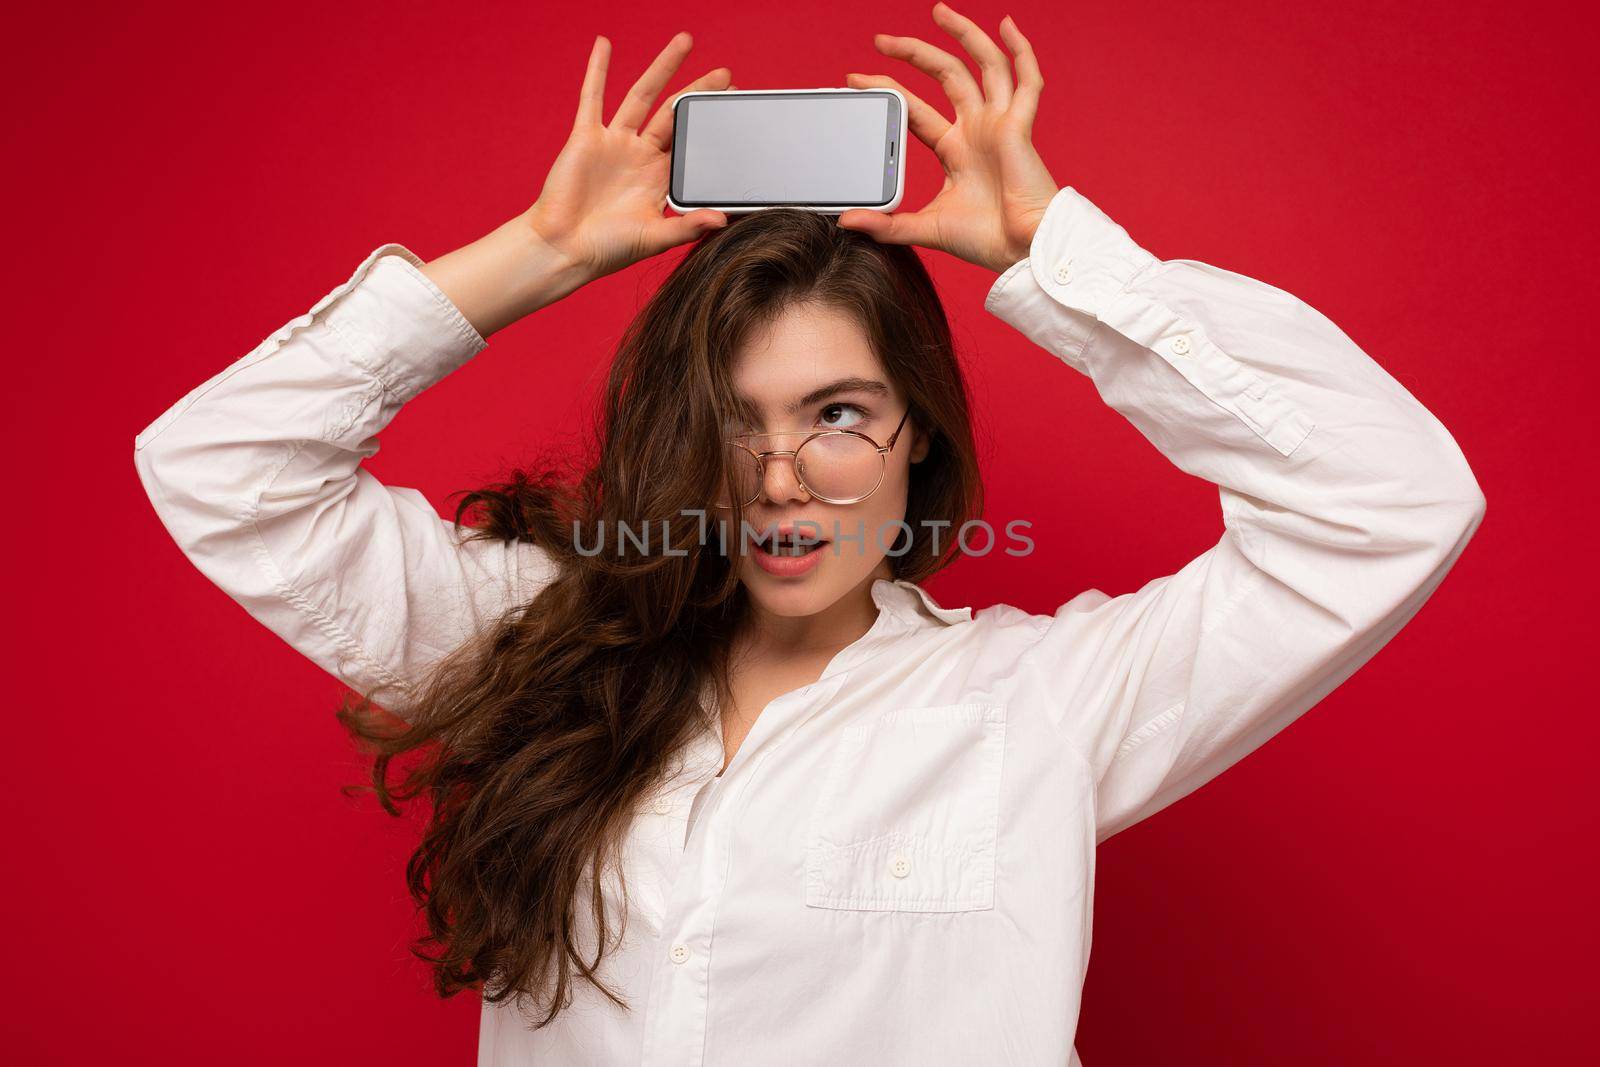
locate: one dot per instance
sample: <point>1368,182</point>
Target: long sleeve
<point>1344,503</point>
<point>257,475</point>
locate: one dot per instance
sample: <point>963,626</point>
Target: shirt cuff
<point>397,325</point>
<point>1080,260</point>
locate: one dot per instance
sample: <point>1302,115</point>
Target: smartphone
<point>824,150</point>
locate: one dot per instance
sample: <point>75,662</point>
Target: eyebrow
<point>823,392</point>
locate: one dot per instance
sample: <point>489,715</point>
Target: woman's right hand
<point>601,204</point>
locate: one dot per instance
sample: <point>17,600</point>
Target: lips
<point>789,540</point>
<point>786,557</point>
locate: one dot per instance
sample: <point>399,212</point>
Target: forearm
<point>504,275</point>
<point>1232,379</point>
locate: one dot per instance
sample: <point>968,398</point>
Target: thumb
<point>671,232</point>
<point>900,228</point>
<point>874,224</point>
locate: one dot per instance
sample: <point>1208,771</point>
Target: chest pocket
<point>908,812</point>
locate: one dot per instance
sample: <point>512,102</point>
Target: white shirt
<point>897,865</point>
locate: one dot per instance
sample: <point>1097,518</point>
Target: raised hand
<point>996,187</point>
<point>601,204</point>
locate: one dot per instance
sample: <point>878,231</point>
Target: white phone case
<point>831,209</point>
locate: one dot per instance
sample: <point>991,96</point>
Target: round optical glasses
<point>833,466</point>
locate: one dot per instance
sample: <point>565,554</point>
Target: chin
<point>803,595</point>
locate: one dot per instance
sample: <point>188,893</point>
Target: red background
<point>1406,875</point>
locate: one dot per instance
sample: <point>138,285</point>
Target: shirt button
<point>900,867</point>
<point>680,953</point>
<point>1064,272</point>
<point>1180,345</point>
<point>662,805</point>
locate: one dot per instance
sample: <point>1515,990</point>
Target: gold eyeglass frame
<point>793,453</point>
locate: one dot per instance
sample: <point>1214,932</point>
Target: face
<point>813,369</point>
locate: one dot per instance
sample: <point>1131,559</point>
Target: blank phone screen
<point>787,147</point>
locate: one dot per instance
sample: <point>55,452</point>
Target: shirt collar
<point>910,601</point>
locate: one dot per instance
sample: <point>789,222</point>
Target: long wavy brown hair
<point>538,737</point>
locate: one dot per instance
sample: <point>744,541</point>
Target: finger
<point>672,231</point>
<point>1025,101</point>
<point>637,103</point>
<point>592,95</point>
<point>992,62</point>
<point>938,64</point>
<point>904,228</point>
<point>926,124</point>
<point>659,132</point>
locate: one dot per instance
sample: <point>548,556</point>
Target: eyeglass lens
<point>836,467</point>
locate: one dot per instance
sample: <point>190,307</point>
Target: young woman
<point>701,798</point>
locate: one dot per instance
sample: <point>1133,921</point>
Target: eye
<point>829,423</point>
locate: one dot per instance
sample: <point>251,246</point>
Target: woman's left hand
<point>996,187</point>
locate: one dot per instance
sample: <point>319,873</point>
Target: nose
<point>779,483</point>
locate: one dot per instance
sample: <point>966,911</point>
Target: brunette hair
<point>538,738</point>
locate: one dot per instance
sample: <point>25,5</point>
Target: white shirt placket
<point>679,1001</point>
